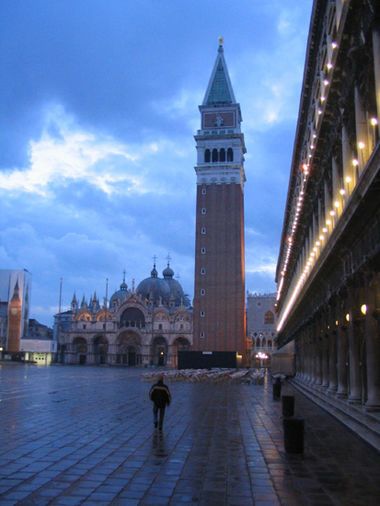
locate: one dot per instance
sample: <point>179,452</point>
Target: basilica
<point>143,326</point>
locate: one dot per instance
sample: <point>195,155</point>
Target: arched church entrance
<point>159,351</point>
<point>179,344</point>
<point>128,349</point>
<point>80,350</point>
<point>100,349</point>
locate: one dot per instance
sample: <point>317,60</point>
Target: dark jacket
<point>160,394</point>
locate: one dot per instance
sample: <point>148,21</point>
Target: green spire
<point>219,90</point>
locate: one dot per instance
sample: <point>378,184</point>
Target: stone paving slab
<point>84,435</point>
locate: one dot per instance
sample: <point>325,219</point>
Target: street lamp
<point>262,357</point>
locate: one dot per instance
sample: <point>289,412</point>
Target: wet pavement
<point>84,435</point>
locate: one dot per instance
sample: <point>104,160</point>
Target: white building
<point>261,327</point>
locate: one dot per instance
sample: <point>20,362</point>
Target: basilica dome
<point>120,295</point>
<point>154,288</point>
<point>176,290</point>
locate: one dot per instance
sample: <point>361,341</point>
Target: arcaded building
<point>136,327</point>
<point>219,287</point>
<point>328,276</point>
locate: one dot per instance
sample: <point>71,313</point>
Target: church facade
<point>142,327</point>
<point>328,272</point>
<point>219,286</point>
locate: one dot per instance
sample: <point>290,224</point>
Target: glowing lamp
<point>342,191</point>
<point>347,317</point>
<point>325,230</point>
<point>374,122</point>
<point>328,222</point>
<point>332,213</point>
<point>348,179</point>
<point>361,145</point>
<point>355,162</point>
<point>336,204</point>
<point>363,309</point>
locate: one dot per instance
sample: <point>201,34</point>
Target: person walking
<point>160,396</point>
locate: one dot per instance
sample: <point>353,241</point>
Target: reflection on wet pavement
<point>84,435</point>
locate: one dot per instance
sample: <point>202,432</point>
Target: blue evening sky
<point>98,108</point>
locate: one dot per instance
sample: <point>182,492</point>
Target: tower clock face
<point>14,311</point>
<point>219,119</point>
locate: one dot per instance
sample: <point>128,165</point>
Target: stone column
<point>332,346</point>
<point>325,360</point>
<point>332,361</point>
<point>348,169</point>
<point>318,352</point>
<point>362,146</point>
<point>372,340</point>
<point>353,331</point>
<point>342,351</point>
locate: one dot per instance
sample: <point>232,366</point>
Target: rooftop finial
<point>221,40</point>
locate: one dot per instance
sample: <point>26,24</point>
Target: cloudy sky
<point>98,108</point>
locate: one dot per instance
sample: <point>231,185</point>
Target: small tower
<point>219,291</point>
<point>74,303</point>
<point>14,321</point>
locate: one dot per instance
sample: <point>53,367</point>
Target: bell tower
<point>14,321</point>
<point>219,291</point>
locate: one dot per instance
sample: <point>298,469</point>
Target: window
<point>84,325</point>
<point>203,314</point>
<point>203,291</point>
<point>207,156</point>
<point>268,318</point>
<point>104,326</point>
<point>160,326</point>
<point>203,190</point>
<point>203,230</point>
<point>230,155</point>
<point>181,326</point>
<point>269,343</point>
<point>203,270</point>
<point>222,155</point>
<point>214,155</point>
<point>202,335</point>
<point>203,210</point>
<point>203,251</point>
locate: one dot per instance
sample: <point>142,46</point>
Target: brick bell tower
<point>14,321</point>
<point>219,291</point>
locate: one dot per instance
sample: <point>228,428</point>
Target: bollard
<point>277,390</point>
<point>287,405</point>
<point>293,435</point>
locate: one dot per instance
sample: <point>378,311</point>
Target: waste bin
<point>287,405</point>
<point>293,435</point>
<point>277,390</point>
